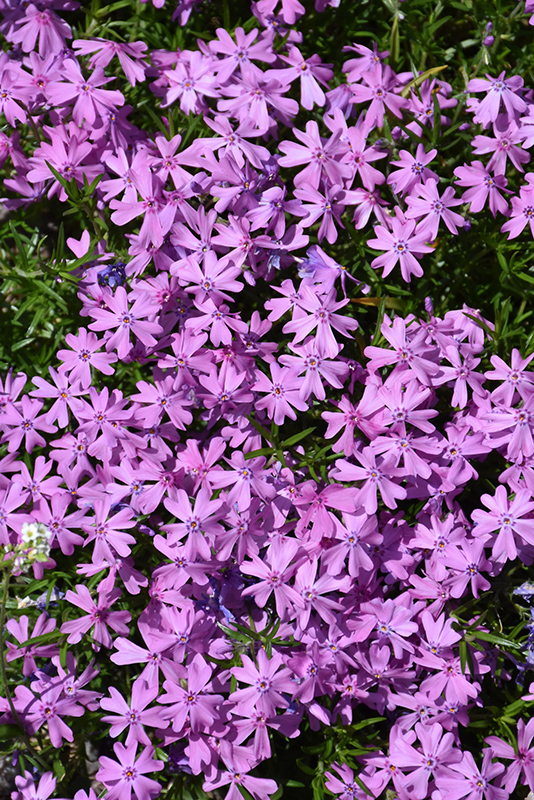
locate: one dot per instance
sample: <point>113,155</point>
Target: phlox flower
<point>247,478</point>
<point>47,709</point>
<point>368,201</point>
<point>11,498</point>
<point>244,50</point>
<point>198,524</point>
<point>360,152</point>
<point>485,185</point>
<point>108,532</point>
<point>274,572</point>
<point>43,24</point>
<point>239,761</point>
<point>401,244</point>
<point>234,141</point>
<point>128,775</point>
<point>190,81</point>
<point>328,207</point>
<point>157,216</point>
<point>313,589</point>
<point>408,352</point>
<point>321,315</point>
<point>257,97</point>
<point>194,705</point>
<point>503,145</point>
<point>133,715</point>
<point>344,786</point>
<point>519,441</point>
<point>514,378</point>
<point>161,398</point>
<point>98,616</point>
<point>65,393</point>
<point>377,86</point>
<point>127,320</point>
<point>368,59</point>
<point>310,360</point>
<point>13,88</point>
<point>412,170</point>
<point>270,683</point>
<point>511,519</point>
<point>311,72</point>
<point>522,756</point>
<point>435,757</point>
<point>128,53</point>
<point>90,100</point>
<point>282,393</point>
<point>324,157</point>
<point>425,201</point>
<point>501,90</point>
<point>463,374</point>
<point>24,424</point>
<point>468,562</point>
<point>66,152</point>
<point>522,210</point>
<point>77,362</point>
<point>375,474</point>
<point>20,631</point>
<point>27,790</point>
<point>467,780</point>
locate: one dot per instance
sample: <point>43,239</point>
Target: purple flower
<point>128,775</point>
<point>27,790</point>
<point>522,210</point>
<point>499,91</point>
<point>484,185</point>
<point>401,243</point>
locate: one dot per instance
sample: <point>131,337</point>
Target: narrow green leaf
<point>420,78</point>
<point>298,437</point>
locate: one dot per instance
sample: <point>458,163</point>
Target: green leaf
<point>9,732</point>
<point>263,451</point>
<point>420,78</point>
<point>499,640</point>
<point>259,427</point>
<point>298,437</point>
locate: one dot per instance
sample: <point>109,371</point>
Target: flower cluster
<point>275,525</point>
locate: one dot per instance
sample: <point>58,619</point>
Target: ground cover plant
<point>267,411</point>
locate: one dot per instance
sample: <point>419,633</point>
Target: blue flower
<point>113,275</point>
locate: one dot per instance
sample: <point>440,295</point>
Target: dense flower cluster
<point>280,597</point>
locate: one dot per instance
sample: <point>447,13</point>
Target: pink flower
<point>376,477</point>
<point>511,519</point>
<point>269,681</point>
<point>84,354</point>
<point>98,616</point>
<point>126,320</point>
<point>27,790</point>
<point>425,201</point>
<point>324,157</point>
<point>498,91</point>
<point>381,81</point>
<point>401,243</point>
<point>412,170</point>
<point>484,185</point>
<point>522,756</point>
<point>239,761</point>
<point>128,775</point>
<point>522,210</point>
<point>311,72</point>
<point>129,55</point>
